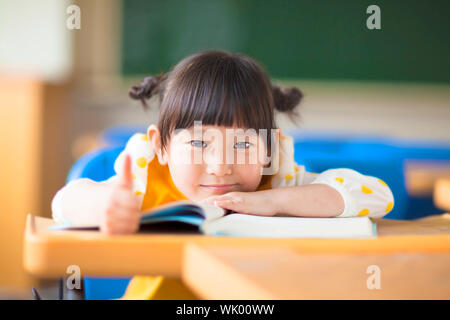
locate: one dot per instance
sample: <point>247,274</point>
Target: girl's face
<point>212,160</point>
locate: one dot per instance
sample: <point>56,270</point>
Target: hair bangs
<point>217,88</point>
<point>222,97</point>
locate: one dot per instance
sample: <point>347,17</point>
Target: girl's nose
<point>215,161</point>
<point>216,166</point>
<point>218,169</point>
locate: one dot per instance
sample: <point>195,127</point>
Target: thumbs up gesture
<point>121,213</point>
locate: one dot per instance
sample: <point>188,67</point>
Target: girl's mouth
<point>218,186</point>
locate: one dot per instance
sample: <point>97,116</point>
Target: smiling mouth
<point>218,186</point>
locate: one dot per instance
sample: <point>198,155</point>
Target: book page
<point>244,225</point>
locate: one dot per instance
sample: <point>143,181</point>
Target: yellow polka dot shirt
<point>363,195</point>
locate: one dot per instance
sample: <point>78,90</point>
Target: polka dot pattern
<point>389,207</point>
<point>364,196</point>
<point>141,153</point>
<point>283,170</point>
<point>371,197</point>
<point>363,212</point>
<point>141,162</point>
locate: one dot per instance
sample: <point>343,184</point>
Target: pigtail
<point>147,88</point>
<point>285,100</point>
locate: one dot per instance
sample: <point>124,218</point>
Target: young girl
<point>179,159</point>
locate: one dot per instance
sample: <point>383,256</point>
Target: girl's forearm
<point>80,202</point>
<point>311,200</point>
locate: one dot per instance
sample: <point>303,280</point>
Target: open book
<point>181,216</point>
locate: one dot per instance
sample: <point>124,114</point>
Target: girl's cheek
<point>185,179</point>
<point>250,177</point>
<point>182,155</point>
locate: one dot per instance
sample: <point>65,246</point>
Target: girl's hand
<point>121,214</point>
<point>244,202</point>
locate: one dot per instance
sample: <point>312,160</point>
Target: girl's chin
<point>203,194</point>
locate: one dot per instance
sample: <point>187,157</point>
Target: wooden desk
<point>421,176</point>
<point>49,253</point>
<point>255,272</point>
<point>441,195</point>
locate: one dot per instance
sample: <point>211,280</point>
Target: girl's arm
<point>110,204</point>
<point>313,200</point>
<point>81,201</point>
<point>333,193</point>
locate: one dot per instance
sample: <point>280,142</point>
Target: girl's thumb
<point>125,177</point>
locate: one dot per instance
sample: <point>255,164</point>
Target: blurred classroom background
<point>375,100</point>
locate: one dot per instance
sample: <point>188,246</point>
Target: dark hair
<point>217,88</point>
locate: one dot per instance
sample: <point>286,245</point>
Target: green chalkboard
<point>322,39</point>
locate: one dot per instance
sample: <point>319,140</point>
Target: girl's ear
<point>154,137</point>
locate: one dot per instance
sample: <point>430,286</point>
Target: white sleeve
<point>363,195</point>
<point>57,210</point>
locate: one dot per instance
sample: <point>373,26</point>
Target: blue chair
<point>404,150</point>
<point>373,155</point>
<point>383,165</point>
<point>116,136</point>
<point>428,151</point>
<point>98,166</point>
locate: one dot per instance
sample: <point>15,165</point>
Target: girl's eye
<point>242,145</point>
<point>198,143</point>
